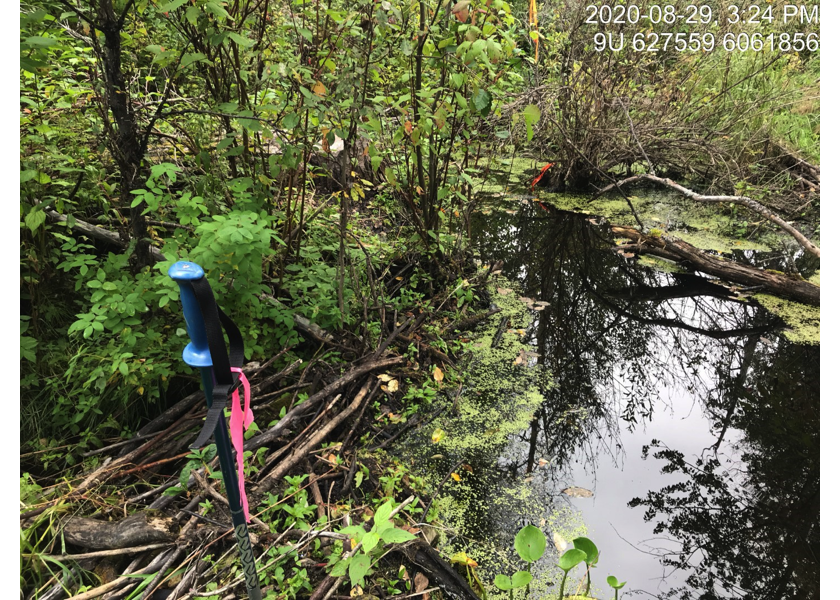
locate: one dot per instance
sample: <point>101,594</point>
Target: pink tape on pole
<point>239,422</point>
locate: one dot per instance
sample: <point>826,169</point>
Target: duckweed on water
<point>703,226</point>
<point>803,320</point>
<point>482,512</point>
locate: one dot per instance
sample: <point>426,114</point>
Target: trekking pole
<point>206,350</point>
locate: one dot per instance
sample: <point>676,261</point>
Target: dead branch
<point>351,375</point>
<point>301,452</point>
<point>807,244</point>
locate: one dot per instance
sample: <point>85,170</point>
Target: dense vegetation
<point>321,161</point>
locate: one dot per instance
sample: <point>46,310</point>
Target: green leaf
<point>291,120</point>
<point>530,543</point>
<point>369,541</point>
<point>521,579</point>
<point>340,568</point>
<point>395,535</point>
<point>481,101</point>
<point>613,583</point>
<point>571,559</point>
<point>172,5</point>
<point>35,219</point>
<point>383,513</point>
<point>532,115</point>
<point>354,531</point>
<point>40,42</point>
<point>588,547</point>
<point>241,40</point>
<point>359,566</point>
<point>503,582</point>
<point>217,10</point>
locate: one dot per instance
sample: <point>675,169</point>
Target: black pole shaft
<point>228,468</point>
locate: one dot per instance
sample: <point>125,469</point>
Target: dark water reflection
<point>694,421</point>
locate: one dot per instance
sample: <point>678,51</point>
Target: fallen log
<point>679,251</point>
<point>140,529</point>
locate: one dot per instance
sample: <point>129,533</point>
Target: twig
<point>99,553</point>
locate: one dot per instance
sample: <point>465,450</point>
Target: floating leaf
<point>503,582</point>
<point>437,435</point>
<point>456,477</point>
<point>577,492</point>
<point>589,547</point>
<point>530,543</point>
<point>571,559</point>
<point>504,291</point>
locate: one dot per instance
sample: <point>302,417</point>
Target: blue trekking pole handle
<point>197,354</point>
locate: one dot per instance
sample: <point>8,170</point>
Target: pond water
<point>671,423</point>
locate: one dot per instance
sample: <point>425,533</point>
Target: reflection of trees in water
<point>752,531</point>
<point>614,336</point>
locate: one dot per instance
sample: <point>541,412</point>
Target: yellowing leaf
<point>384,377</point>
<point>438,456</point>
<point>437,374</point>
<point>456,477</point>
<point>437,435</point>
<point>319,89</point>
<point>461,558</point>
<point>393,385</point>
<point>357,591</point>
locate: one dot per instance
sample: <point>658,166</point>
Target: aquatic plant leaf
<point>521,579</point>
<point>530,543</point>
<point>571,559</point>
<point>456,477</point>
<point>613,582</point>
<point>503,582</point>
<point>437,435</point>
<point>589,547</point>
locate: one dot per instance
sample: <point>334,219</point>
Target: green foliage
<point>530,543</point>
<point>372,543</point>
